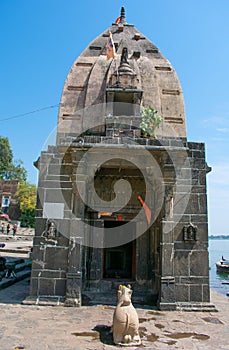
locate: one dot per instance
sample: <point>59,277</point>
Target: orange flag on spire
<point>148,212</point>
<point>118,20</point>
<point>110,47</point>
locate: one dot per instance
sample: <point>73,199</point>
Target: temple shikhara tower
<point>116,205</point>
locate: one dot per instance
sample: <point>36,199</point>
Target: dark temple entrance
<point>119,261</point>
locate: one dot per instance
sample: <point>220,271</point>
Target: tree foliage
<point>150,121</point>
<point>26,196</point>
<point>10,169</point>
<point>6,155</point>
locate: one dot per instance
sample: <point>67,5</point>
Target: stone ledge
<point>44,301</point>
<point>166,306</point>
<point>199,307</point>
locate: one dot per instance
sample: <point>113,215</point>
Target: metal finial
<point>122,15</point>
<point>123,12</point>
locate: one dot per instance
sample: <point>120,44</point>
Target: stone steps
<point>6,282</point>
<point>203,307</point>
<point>110,298</point>
<point>18,251</point>
<point>44,301</point>
<point>96,298</point>
<point>21,268</point>
<point>106,294</point>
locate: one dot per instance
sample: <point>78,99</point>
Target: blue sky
<point>41,39</point>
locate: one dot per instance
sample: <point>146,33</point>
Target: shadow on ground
<point>105,334</point>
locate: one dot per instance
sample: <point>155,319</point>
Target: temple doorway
<point>119,261</point>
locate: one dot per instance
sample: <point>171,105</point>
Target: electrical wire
<point>28,113</point>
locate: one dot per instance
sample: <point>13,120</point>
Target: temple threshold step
<point>203,307</point>
<point>110,298</point>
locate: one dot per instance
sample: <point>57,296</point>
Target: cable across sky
<point>28,113</point>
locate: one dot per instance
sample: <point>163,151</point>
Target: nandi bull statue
<point>125,319</point>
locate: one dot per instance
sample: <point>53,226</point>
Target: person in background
<point>10,273</point>
<point>8,229</point>
<point>3,227</point>
<point>14,229</point>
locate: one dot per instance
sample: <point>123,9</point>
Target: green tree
<point>150,121</point>
<point>26,196</point>
<point>10,169</point>
<point>16,171</point>
<point>6,156</point>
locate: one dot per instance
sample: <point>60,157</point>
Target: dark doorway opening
<point>119,261</point>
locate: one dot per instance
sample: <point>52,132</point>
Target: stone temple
<point>115,206</point>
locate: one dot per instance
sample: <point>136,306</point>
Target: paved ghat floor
<point>61,328</point>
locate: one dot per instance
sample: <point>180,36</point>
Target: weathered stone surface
<point>206,293</point>
<point>157,85</point>
<point>60,287</point>
<point>33,287</point>
<point>142,257</point>
<point>52,274</point>
<point>182,292</point>
<point>167,259</point>
<point>168,290</point>
<point>56,258</point>
<point>199,263</point>
<point>46,287</point>
<point>181,263</point>
<point>196,292</point>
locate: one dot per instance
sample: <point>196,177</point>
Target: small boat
<point>222,265</point>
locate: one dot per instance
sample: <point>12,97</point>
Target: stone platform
<point>61,328</point>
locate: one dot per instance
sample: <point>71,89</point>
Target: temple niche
<point>115,207</point>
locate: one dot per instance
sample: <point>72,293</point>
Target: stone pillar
<point>142,252</point>
<point>167,299</point>
<point>74,277</point>
<point>77,236</point>
<point>95,273</point>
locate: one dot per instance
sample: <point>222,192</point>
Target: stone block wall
<point>175,249</point>
<point>48,277</point>
<point>188,254</point>
<point>50,252</point>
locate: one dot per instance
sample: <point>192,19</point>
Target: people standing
<point>3,227</point>
<point>8,229</point>
<point>14,229</point>
<point>10,273</point>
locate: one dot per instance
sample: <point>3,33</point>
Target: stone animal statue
<point>125,319</point>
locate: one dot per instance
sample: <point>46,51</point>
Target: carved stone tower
<point>115,207</point>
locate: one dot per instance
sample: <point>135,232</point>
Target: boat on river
<point>222,265</point>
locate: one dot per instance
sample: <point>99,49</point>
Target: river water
<point>217,248</point>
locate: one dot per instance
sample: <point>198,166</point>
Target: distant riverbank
<point>219,237</point>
